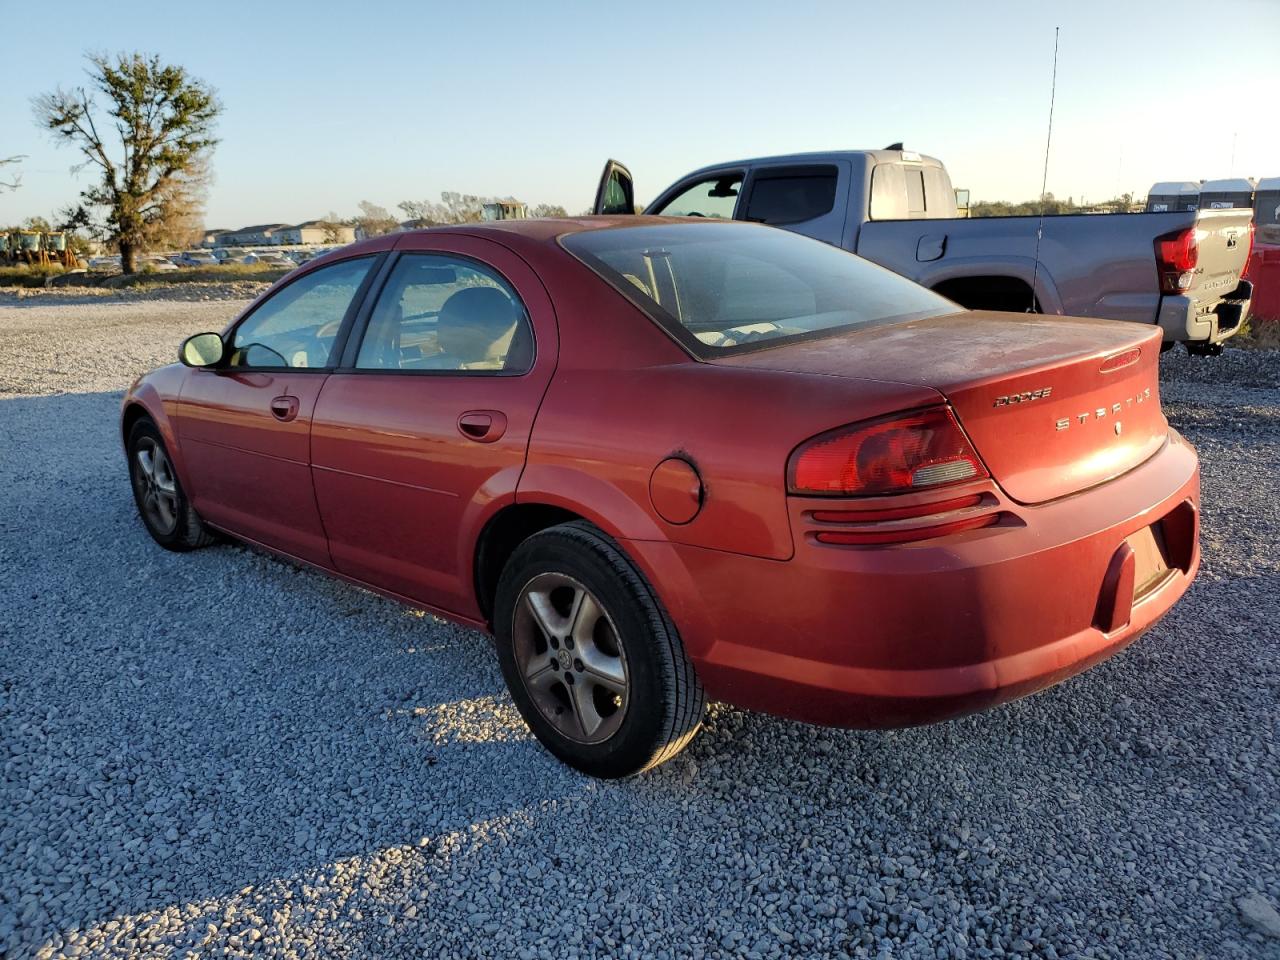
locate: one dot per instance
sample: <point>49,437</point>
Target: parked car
<point>156,264</point>
<point>269,258</point>
<point>664,460</point>
<point>196,258</point>
<point>229,254</point>
<point>1180,270</point>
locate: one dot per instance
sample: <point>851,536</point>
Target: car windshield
<point>727,287</point>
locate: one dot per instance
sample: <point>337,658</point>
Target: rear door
<point>421,433</point>
<point>811,199</point>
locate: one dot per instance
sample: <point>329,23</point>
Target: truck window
<point>791,195</point>
<point>915,192</point>
<point>909,192</point>
<point>888,193</point>
<point>714,197</point>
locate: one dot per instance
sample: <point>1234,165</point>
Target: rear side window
<point>443,313</point>
<point>792,196</point>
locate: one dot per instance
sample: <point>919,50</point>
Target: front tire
<point>163,506</point>
<point>594,663</point>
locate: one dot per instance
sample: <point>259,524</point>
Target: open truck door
<point>616,193</point>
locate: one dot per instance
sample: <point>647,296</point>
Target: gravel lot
<point>221,755</point>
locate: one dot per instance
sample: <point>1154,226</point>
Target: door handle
<point>482,426</point>
<point>285,408</point>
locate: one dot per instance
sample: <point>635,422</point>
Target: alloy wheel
<point>156,485</point>
<point>571,659</point>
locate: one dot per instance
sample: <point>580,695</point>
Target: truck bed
<point>1095,265</point>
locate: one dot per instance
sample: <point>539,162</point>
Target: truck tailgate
<point>1222,242</point>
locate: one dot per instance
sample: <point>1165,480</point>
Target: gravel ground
<point>220,754</point>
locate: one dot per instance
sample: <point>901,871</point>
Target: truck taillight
<point>1176,256</point>
<point>1248,250</point>
<point>898,454</point>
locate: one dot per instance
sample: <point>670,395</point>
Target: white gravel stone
<point>220,754</point>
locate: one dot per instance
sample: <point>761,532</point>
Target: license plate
<point>1151,560</point>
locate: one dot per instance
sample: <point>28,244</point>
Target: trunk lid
<point>1054,405</point>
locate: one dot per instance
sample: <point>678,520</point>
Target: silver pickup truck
<point>1181,270</point>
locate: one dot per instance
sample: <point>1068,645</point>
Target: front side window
<point>791,197</point>
<point>715,198</point>
<point>298,325</point>
<point>721,288</point>
<point>445,313</point>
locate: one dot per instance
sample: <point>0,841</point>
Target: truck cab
<point>1180,269</point>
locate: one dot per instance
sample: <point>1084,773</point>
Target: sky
<point>327,104</point>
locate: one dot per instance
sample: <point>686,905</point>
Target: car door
<point>810,198</point>
<point>616,192</point>
<point>421,434</point>
<point>245,426</point>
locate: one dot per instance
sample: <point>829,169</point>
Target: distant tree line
<point>452,207</point>
<point>1049,205</point>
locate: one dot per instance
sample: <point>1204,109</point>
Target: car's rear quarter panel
<point>625,397</point>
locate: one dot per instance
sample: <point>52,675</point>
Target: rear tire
<point>163,506</point>
<point>592,660</point>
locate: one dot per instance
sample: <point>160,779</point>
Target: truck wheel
<point>593,662</point>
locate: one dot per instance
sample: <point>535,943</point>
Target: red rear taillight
<point>914,451</point>
<point>1176,258</point>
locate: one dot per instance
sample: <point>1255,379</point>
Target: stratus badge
<point>1101,413</point>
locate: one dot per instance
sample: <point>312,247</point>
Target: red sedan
<point>662,460</point>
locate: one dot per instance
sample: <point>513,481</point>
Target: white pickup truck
<point>1181,269</point>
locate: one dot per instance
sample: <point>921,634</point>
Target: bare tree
<point>548,210</point>
<point>17,177</point>
<point>373,220</point>
<point>163,120</point>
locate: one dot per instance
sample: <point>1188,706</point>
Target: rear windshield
<point>722,288</point>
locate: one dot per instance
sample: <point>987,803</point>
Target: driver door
<point>616,193</point>
<point>245,426</point>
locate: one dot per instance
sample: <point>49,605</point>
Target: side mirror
<point>202,350</point>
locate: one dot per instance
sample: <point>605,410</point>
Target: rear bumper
<point>913,633</point>
<point>1183,319</point>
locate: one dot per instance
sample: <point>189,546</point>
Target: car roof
<point>545,230</point>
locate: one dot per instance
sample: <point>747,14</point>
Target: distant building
<point>310,233</point>
<point>256,236</point>
<point>315,232</point>
<point>506,210</point>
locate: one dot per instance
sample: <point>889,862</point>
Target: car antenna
<point>1044,183</point>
